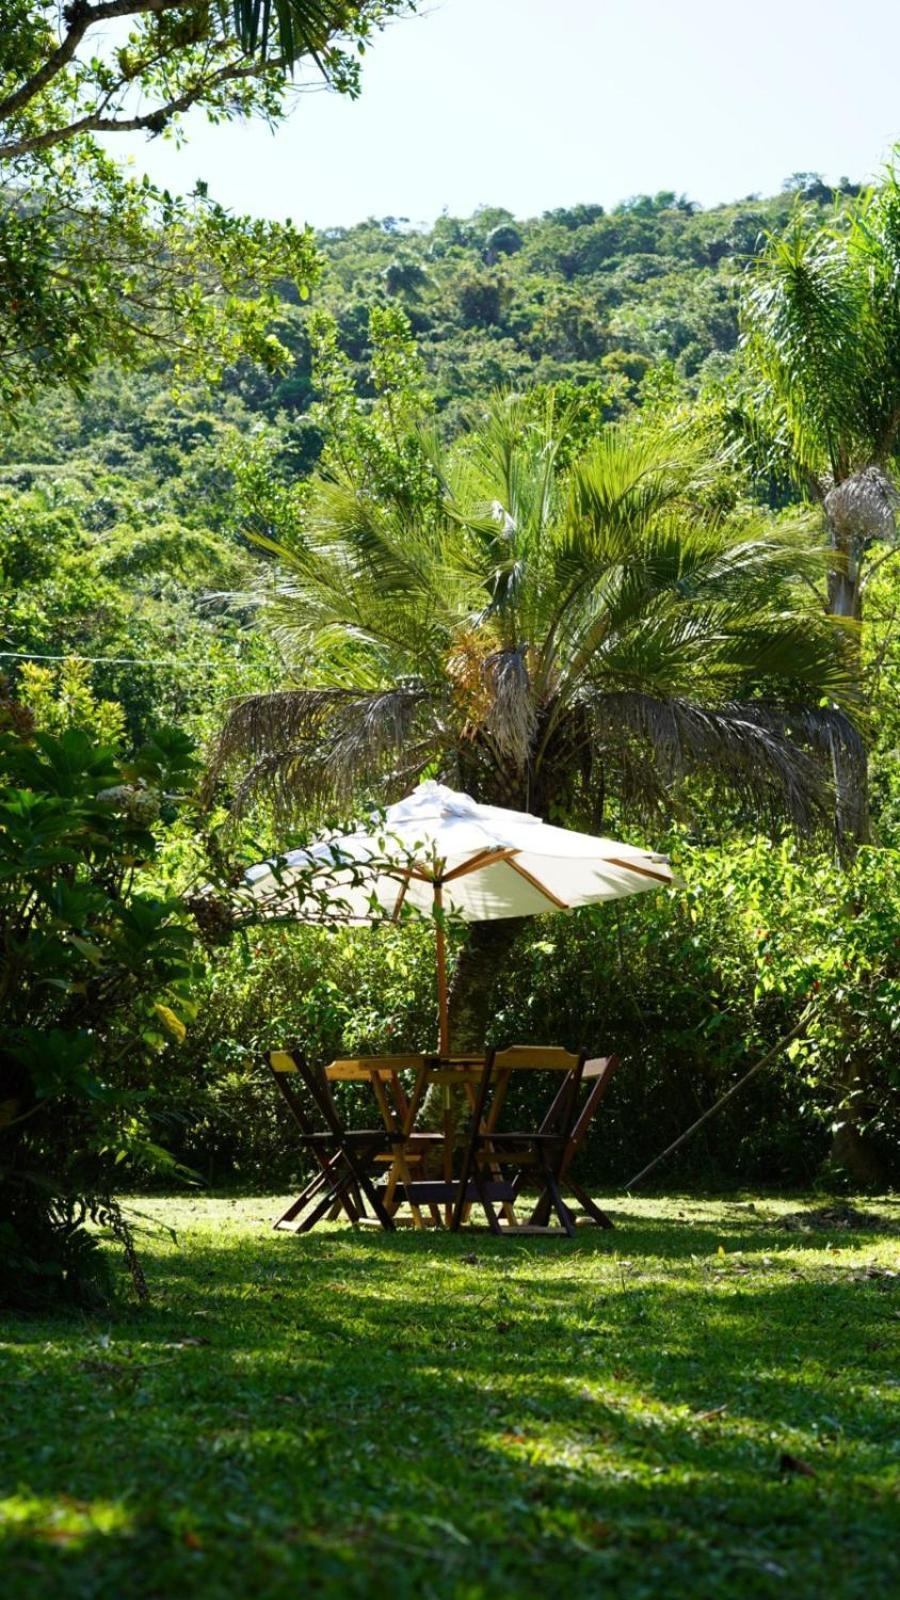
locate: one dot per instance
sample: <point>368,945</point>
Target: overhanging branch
<point>81,17</point>
<point>150,122</point>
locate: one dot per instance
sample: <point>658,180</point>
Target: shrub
<point>96,977</point>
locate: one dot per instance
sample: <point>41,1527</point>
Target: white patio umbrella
<point>441,852</point>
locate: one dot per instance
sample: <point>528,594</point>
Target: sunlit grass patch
<point>702,1402</point>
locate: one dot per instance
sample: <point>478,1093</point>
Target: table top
<point>449,1069</point>
<point>361,1069</point>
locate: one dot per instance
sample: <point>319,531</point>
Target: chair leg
<point>487,1205</point>
<point>459,1209</point>
<point>367,1188</point>
<point>541,1213</point>
<point>313,1187</point>
<point>589,1205</point>
<point>567,1221</point>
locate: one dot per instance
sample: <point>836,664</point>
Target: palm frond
<point>808,326</point>
<point>303,748</point>
<point>765,753</point>
<point>290,29</point>
<point>510,629</point>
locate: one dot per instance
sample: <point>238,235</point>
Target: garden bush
<point>96,985</point>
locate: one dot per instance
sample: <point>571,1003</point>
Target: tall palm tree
<point>544,637</point>
<point>822,327</point>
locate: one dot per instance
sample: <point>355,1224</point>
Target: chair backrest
<point>600,1067</point>
<point>499,1069</point>
<point>289,1069</point>
<point>546,1057</point>
<point>307,1094</point>
<point>282,1061</point>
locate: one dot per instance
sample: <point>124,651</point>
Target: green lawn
<point>450,1418</point>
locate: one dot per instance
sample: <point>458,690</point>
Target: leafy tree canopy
<point>96,264</point>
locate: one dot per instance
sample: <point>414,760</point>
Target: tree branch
<point>151,122</point>
<point>81,17</point>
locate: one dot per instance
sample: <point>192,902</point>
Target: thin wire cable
<point>119,661</point>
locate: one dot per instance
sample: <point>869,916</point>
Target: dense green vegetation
<point>697,1404</point>
<point>179,538</point>
<point>94,959</point>
<point>97,264</point>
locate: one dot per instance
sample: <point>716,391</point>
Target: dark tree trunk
<point>845,600</point>
<point>850,1147</point>
<point>856,1154</point>
<point>480,966</point>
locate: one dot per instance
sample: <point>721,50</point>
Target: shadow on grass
<point>350,1414</point>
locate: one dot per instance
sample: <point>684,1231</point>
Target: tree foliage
<point>96,981</point>
<point>822,328</point>
<point>95,264</point>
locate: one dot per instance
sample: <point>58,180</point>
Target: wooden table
<point>410,1145</point>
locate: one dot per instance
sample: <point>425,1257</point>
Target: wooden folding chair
<point>407,1181</point>
<point>496,1161</point>
<point>343,1156</point>
<point>597,1075</point>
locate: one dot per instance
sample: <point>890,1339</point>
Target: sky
<point>532,104</point>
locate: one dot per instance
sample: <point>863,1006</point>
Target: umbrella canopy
<point>442,852</point>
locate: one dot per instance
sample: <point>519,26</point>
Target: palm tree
<point>544,637</point>
<point>822,328</point>
<point>289,29</point>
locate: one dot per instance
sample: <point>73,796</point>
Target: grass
<point>453,1418</point>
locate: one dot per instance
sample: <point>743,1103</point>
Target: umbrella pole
<point>441,953</point>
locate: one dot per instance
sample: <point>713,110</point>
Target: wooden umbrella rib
<point>529,877</point>
<point>485,858</point>
<point>643,872</point>
<point>398,907</point>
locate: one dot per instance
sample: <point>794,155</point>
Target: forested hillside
<point>577,295</point>
<point>118,522</point>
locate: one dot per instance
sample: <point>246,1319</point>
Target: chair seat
<point>437,1192</point>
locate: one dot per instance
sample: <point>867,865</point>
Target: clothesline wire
<point>116,661</point>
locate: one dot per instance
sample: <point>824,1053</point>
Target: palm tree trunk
<point>845,599</point>
<point>850,1148</point>
<point>479,969</point>
<point>844,590</point>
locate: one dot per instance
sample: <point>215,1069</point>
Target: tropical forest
<point>449,860</point>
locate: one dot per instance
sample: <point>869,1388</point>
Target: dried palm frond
<point>763,752</point>
<point>862,508</point>
<point>511,719</point>
<point>309,746</point>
